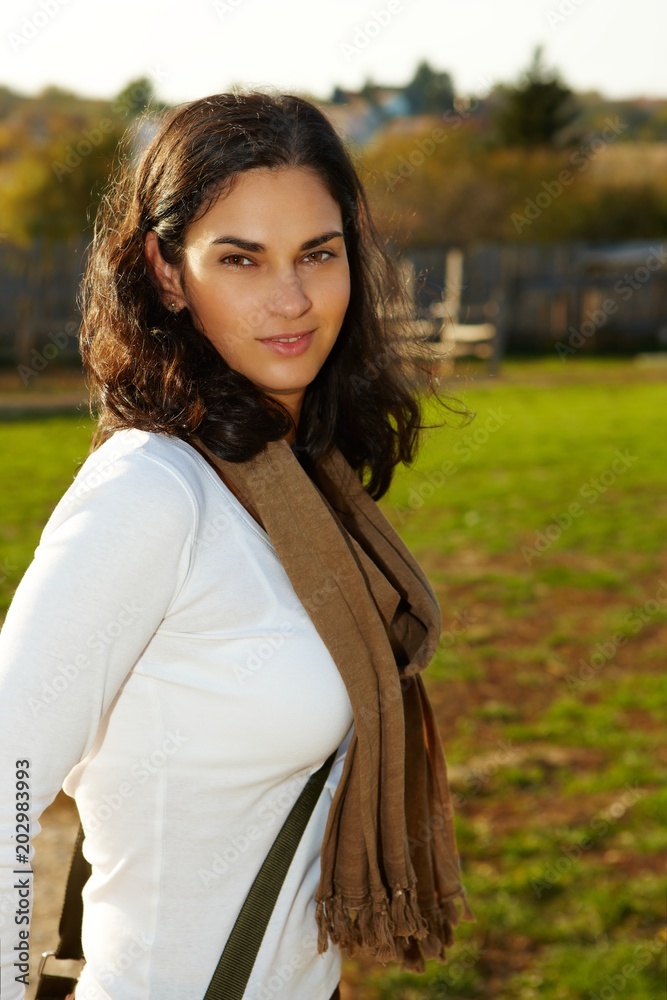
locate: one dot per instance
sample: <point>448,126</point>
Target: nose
<point>288,298</point>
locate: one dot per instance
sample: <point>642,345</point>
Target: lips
<point>282,338</point>
<point>289,345</point>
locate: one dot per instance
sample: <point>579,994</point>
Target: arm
<point>111,560</point>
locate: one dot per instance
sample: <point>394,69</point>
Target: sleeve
<point>111,560</point>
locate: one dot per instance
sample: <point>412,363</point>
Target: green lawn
<point>542,524</point>
<point>39,459</point>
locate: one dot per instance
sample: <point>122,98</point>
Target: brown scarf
<point>389,866</point>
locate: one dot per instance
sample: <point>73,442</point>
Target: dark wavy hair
<point>151,369</point>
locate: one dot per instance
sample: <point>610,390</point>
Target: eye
<point>234,260</point>
<point>315,259</point>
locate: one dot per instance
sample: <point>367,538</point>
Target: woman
<point>217,605</point>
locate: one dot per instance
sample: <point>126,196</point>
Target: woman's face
<point>265,276</point>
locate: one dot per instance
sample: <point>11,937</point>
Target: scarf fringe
<point>378,600</point>
<point>389,930</point>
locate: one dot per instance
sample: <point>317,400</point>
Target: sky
<point>191,48</point>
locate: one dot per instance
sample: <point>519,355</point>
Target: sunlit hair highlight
<point>151,369</point>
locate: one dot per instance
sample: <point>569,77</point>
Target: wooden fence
<point>561,297</point>
<point>38,313</point>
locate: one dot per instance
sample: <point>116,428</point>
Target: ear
<point>167,275</point>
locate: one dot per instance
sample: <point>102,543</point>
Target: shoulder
<point>137,474</point>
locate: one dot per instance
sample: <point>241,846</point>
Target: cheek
<point>223,311</point>
<point>337,296</point>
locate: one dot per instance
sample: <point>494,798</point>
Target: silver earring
<point>172,306</point>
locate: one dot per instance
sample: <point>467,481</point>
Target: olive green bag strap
<point>233,971</point>
<point>238,957</point>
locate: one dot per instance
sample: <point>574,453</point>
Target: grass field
<point>542,525</point>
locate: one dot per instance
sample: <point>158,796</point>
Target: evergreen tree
<point>430,92</point>
<point>538,110</point>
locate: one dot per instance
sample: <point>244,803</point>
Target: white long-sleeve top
<point>157,664</point>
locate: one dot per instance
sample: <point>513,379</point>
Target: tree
<point>429,92</point>
<point>339,96</point>
<point>134,98</point>
<point>538,110</point>
<point>51,187</point>
<point>9,101</point>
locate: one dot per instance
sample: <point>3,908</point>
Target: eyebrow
<point>251,247</point>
